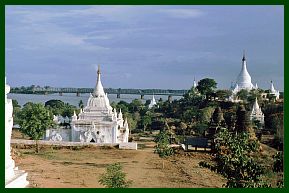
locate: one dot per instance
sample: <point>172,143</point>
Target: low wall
<point>68,143</point>
<point>128,146</point>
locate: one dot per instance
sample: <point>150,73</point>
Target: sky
<point>143,46</point>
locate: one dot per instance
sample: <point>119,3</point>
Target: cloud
<point>182,13</point>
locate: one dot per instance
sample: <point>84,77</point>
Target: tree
<point>56,106</point>
<point>16,111</point>
<point>34,119</point>
<point>206,86</point>
<point>135,105</point>
<point>54,103</point>
<point>114,177</point>
<point>243,94</point>
<point>223,94</point>
<point>146,120</point>
<point>68,110</point>
<point>235,162</point>
<point>162,147</point>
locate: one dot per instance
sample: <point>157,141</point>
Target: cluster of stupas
<point>244,82</point>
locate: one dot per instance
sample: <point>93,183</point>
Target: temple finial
<point>98,70</point>
<point>244,58</point>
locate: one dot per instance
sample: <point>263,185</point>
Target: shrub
<point>114,177</point>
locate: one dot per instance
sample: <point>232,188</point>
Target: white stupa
<point>195,84</point>
<point>244,78</point>
<point>153,102</point>
<point>14,178</point>
<point>273,91</point>
<point>256,113</point>
<point>97,122</point>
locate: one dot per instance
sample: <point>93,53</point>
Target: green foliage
<point>136,105</point>
<point>223,94</point>
<point>200,128</point>
<point>68,110</point>
<point>206,86</point>
<point>15,104</point>
<point>278,162</point>
<point>234,160</point>
<point>114,177</point>
<point>58,107</point>
<point>205,114</point>
<point>162,147</point>
<point>55,106</point>
<point>145,121</point>
<point>34,119</point>
<point>243,94</point>
<point>16,111</point>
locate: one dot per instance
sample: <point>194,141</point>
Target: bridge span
<point>118,91</point>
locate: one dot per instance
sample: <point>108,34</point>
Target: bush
<point>114,177</point>
<point>234,161</point>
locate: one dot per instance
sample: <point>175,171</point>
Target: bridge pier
<point>141,96</point>
<point>118,95</point>
<point>77,94</point>
<point>60,93</point>
<point>170,98</point>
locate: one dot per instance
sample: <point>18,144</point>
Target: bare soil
<point>67,168</point>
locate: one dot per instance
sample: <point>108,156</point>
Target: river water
<point>72,99</point>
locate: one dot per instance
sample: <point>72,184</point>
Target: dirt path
<point>81,168</point>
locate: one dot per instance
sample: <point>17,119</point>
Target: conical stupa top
<point>244,78</point>
<point>244,58</point>
<point>256,86</point>
<point>272,87</point>
<point>195,83</point>
<point>154,100</point>
<point>74,114</point>
<point>98,91</point>
<point>256,105</point>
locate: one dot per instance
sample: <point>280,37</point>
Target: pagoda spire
<point>98,71</point>
<point>98,91</point>
<point>244,57</point>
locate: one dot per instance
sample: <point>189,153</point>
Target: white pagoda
<point>273,91</point>
<point>14,178</point>
<point>153,102</point>
<point>98,122</point>
<point>244,78</point>
<point>256,113</point>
